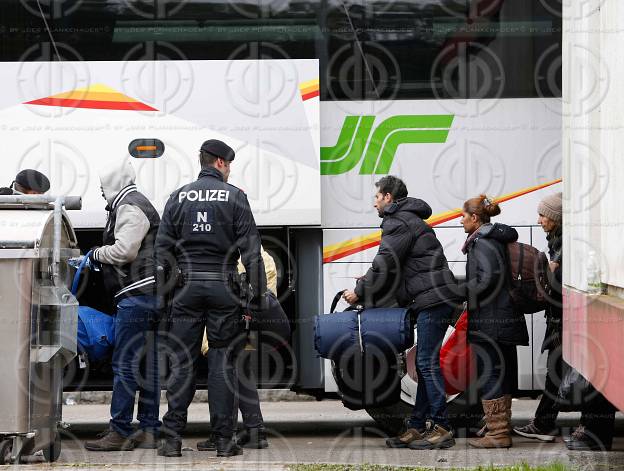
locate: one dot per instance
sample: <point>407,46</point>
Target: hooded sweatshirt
<point>127,253</point>
<point>491,315</point>
<point>410,264</point>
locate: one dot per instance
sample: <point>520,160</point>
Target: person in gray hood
<point>411,267</point>
<point>127,261</point>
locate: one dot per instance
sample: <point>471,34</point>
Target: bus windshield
<point>367,50</point>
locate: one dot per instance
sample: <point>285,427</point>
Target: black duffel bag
<point>365,348</point>
<point>272,323</point>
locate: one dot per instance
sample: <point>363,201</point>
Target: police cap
<point>218,149</point>
<point>33,180</point>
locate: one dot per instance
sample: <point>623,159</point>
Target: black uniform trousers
<point>248,399</point>
<point>199,305</point>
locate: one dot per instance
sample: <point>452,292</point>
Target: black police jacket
<point>206,225</point>
<point>410,264</point>
<point>491,314</point>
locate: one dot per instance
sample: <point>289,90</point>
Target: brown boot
<point>436,437</point>
<point>484,429</point>
<point>497,419</point>
<point>112,441</point>
<point>508,404</point>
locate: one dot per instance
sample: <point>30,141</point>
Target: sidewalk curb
<point>104,397</point>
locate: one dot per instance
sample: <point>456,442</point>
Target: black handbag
<point>272,322</point>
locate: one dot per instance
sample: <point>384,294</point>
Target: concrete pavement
<point>318,432</point>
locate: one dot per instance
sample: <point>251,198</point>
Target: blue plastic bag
<point>96,330</point>
<point>96,333</point>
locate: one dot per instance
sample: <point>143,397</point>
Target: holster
<point>244,290</point>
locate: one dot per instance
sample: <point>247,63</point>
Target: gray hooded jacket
<point>129,234</point>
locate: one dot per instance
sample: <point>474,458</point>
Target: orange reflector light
<point>146,148</point>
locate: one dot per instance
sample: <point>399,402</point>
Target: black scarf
<point>555,241</point>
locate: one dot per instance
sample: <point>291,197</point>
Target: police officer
<point>27,182</point>
<point>206,226</point>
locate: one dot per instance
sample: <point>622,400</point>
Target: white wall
<point>593,114</point>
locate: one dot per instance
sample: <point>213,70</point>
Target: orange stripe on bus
<point>341,250</point>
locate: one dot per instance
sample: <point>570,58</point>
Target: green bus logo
<point>358,142</point>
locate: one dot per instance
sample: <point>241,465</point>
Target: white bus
<point>320,99</point>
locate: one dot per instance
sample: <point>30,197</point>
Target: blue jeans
<point>431,326</point>
<point>135,365</point>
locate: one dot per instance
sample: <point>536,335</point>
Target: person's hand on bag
<point>350,297</point>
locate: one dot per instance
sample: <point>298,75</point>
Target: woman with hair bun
<point>495,328</point>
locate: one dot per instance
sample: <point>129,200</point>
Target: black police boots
<point>170,447</point>
<point>227,447</point>
<point>207,445</point>
<point>253,438</point>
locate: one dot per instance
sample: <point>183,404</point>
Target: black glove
<point>92,260</point>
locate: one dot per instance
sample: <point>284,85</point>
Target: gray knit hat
<point>551,207</point>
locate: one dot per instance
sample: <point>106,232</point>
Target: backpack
<point>528,277</point>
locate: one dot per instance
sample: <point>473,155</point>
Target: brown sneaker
<point>403,440</point>
<point>143,439</point>
<point>435,438</point>
<point>112,441</point>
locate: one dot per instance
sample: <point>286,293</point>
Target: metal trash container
<point>38,321</point>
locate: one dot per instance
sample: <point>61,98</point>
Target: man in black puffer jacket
<point>410,265</point>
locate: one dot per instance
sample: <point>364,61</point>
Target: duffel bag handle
<point>76,280</point>
<point>356,307</point>
<point>335,301</point>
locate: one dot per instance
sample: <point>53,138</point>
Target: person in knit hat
<point>596,429</point>
<point>550,217</point>
<point>542,426</point>
<point>550,208</point>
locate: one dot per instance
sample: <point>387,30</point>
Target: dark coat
<point>491,315</point>
<point>206,225</point>
<point>410,264</point>
<point>554,312</point>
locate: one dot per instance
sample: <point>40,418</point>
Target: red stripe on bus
<point>307,96</point>
<point>92,104</point>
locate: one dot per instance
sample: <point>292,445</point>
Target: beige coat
<point>271,274</point>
